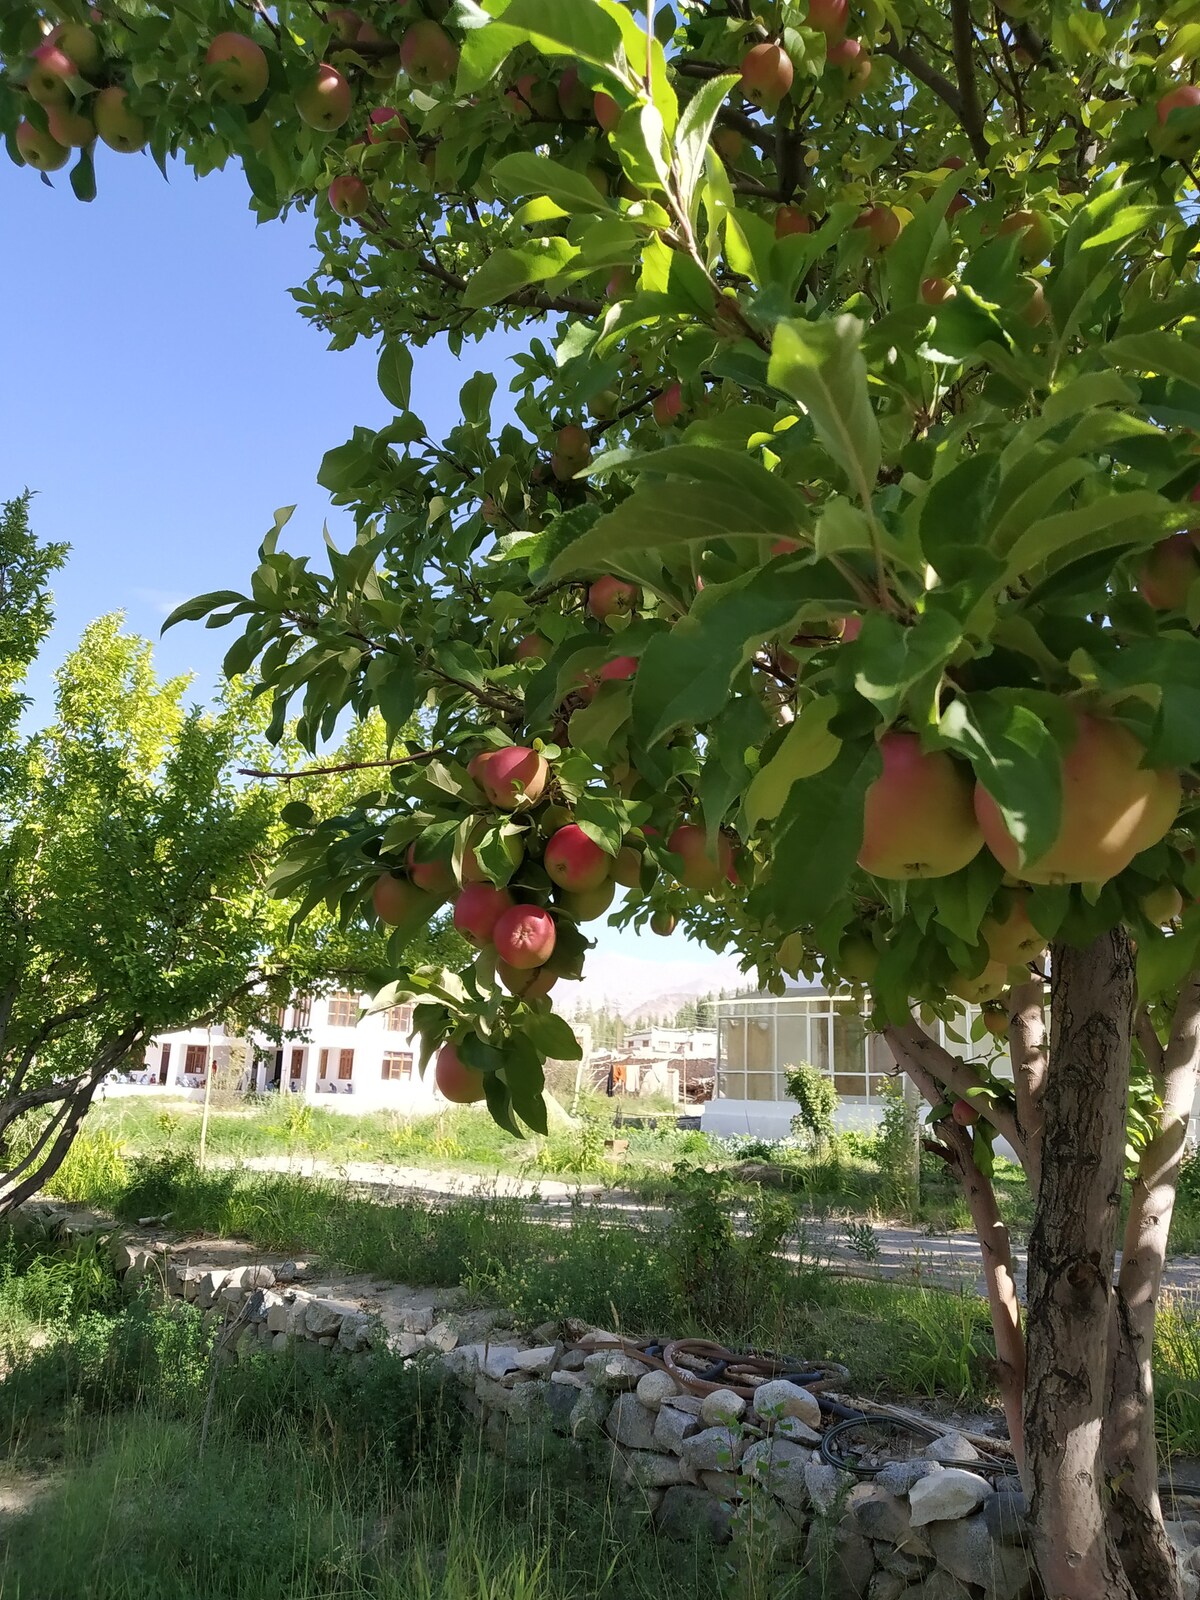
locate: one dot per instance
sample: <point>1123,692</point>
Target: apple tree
<point>825,575</point>
<point>135,871</point>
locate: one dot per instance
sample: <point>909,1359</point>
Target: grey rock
<point>941,1585</point>
<point>323,1318</point>
<point>208,1286</point>
<point>713,1450</point>
<point>416,1319</point>
<point>722,1408</point>
<point>966,1550</point>
<point>589,1413</point>
<point>560,1402</point>
<point>406,1344</point>
<point>572,1360</point>
<point>840,1561</point>
<point>256,1277</point>
<point>278,1314</point>
<point>462,1362</point>
<point>688,1513</point>
<point>672,1426</point>
<point>886,1586</point>
<point>630,1423</point>
<point>724,1485</point>
<point>689,1403</point>
<point>880,1515</point>
<point>279,1341</point>
<point>898,1477</point>
<point>780,1468</point>
<point>499,1359</point>
<point>1006,1515</point>
<point>471,1327</point>
<point>779,1398</point>
<point>568,1380</point>
<point>231,1294</point>
<point>795,1431</point>
<point>539,1360</point>
<point>826,1485</point>
<point>655,1388</point>
<point>762,1520</point>
<point>951,1447</point>
<point>946,1495</point>
<point>901,1564</point>
<point>613,1369</point>
<point>647,1469</point>
<point>545,1333</point>
<point>443,1337</point>
<point>355,1332</point>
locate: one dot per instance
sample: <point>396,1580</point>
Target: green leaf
<point>1018,760</point>
<point>808,747</point>
<point>819,835</point>
<point>553,1037</point>
<point>509,271</point>
<point>1164,353</point>
<point>1136,518</point>
<point>685,674</point>
<point>1165,959</point>
<point>297,814</point>
<point>583,32</point>
<point>821,365</point>
<point>395,374</point>
<point>83,176</point>
<point>962,325</point>
<point>528,174</point>
<point>602,819</point>
<point>957,506</point>
<point>694,130</point>
<point>499,1103</point>
<point>193,610</point>
<point>526,1081</point>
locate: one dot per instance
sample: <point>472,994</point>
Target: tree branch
<point>1027,1050</point>
<point>343,766</point>
<point>971,115</point>
<point>908,58</point>
<point>957,1076</point>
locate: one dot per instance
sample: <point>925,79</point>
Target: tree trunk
<point>1129,1446</point>
<point>1071,1251</point>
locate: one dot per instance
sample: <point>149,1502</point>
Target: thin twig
<point>345,766</point>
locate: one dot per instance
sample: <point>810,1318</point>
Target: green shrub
<point>814,1093</point>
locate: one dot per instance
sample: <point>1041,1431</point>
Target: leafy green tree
<point>134,873</point>
<point>836,579</point>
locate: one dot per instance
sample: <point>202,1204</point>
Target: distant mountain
<point>635,987</point>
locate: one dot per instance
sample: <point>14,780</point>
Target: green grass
<point>314,1480</point>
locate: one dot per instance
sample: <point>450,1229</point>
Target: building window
<point>166,1062</point>
<point>399,1019</point>
<point>193,1060</point>
<point>297,1064</point>
<point>397,1065</point>
<point>301,1011</point>
<point>343,1010</point>
<point>345,1064</point>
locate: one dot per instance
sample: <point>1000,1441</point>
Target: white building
<point>334,1059</point>
<point>663,1043</point>
<point>759,1036</point>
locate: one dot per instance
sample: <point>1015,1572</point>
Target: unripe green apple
<point>627,868</point>
<point>663,923</point>
<point>1162,905</point>
<point>428,54</point>
<point>38,149</point>
<point>986,985</point>
<point>729,145</point>
<point>585,905</point>
<point>80,43</point>
<point>857,958</point>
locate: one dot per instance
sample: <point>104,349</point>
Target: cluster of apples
<point>63,77</point>
<point>767,73</point>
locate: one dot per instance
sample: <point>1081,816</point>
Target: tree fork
<point>1071,1252</point>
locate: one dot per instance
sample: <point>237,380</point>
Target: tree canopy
<point>827,577</point>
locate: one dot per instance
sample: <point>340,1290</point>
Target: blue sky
<point>162,396</point>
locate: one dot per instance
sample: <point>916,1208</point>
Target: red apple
<point>513,777</point>
<point>396,900</point>
<point>1168,572</point>
<point>700,870</point>
<point>620,284</point>
<point>50,73</point>
<point>241,68</point>
<point>574,98</point>
<point>119,127</point>
<point>349,195</point>
<point>1034,232</point>
<point>428,54</point>
<point>767,74</point>
<point>606,111</point>
<point>612,597</point>
<point>883,225</point>
<point>524,937</point>
<point>386,125</point>
<point>1179,143</point>
<point>530,983</point>
<point>533,648</point>
<point>1112,808</point>
<point>575,862</point>
<point>79,43</point>
<point>38,149</point>
<point>848,56</point>
<point>478,909</point>
<point>829,16</point>
<point>618,669</point>
<point>729,145</point>
<point>668,406</point>
<point>433,876</point>
<point>455,1080</point>
<point>70,127</point>
<point>789,220</point>
<point>326,101</point>
<point>573,446</point>
<point>785,547</point>
<point>996,1022</point>
<point>936,291</point>
<point>964,1113</point>
<point>918,820</point>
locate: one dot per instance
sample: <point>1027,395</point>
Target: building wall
<point>308,1065</point>
<point>760,1036</point>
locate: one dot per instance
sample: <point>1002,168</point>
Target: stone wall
<point>928,1528</point>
